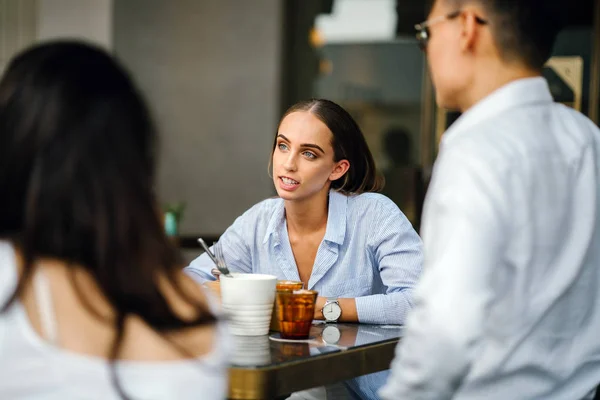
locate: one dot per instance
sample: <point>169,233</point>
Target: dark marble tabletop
<point>269,350</point>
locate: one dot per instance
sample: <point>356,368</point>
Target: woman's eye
<point>282,146</point>
<point>310,155</point>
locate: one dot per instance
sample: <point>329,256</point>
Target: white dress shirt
<point>509,303</point>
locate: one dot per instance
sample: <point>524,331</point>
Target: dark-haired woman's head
<point>319,146</point>
<point>77,161</point>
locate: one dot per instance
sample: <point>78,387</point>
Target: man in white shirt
<point>509,303</point>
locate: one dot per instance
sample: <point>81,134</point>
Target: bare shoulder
<point>188,301</point>
<point>83,316</point>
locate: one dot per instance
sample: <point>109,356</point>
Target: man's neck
<point>492,78</point>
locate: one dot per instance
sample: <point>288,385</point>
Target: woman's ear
<point>341,167</point>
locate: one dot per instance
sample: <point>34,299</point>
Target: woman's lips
<point>288,184</point>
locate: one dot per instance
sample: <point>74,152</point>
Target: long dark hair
<point>77,159</point>
<point>348,144</point>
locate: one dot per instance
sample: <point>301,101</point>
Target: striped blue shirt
<point>370,252</point>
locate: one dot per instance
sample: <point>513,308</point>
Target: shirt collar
<point>276,220</point>
<point>515,94</point>
<point>336,219</point>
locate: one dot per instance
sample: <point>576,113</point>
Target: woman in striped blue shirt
<point>328,227</point>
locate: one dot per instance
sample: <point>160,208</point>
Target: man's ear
<point>470,29</point>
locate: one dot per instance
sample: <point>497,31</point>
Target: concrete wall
<point>211,72</point>
<point>17,27</point>
<point>24,22</point>
<point>82,19</point>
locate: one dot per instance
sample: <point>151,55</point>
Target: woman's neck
<point>307,216</point>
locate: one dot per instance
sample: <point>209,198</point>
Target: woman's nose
<point>290,163</point>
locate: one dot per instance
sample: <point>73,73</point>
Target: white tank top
<point>34,368</point>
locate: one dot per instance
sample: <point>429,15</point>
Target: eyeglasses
<point>423,33</point>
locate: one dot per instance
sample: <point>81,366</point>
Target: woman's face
<point>303,164</point>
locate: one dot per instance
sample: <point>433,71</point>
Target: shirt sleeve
<point>463,229</point>
<point>235,250</point>
<point>398,253</point>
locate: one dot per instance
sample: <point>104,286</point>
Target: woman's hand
<point>319,307</point>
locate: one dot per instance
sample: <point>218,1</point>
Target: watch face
<point>332,311</point>
<point>331,334</point>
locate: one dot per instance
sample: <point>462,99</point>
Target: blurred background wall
<point>87,19</point>
<point>211,71</point>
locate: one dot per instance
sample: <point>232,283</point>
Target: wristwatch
<point>332,310</point>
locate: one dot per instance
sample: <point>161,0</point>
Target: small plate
<point>276,337</point>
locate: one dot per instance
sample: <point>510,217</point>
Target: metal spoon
<point>207,250</point>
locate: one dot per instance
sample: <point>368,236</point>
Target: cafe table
<point>265,367</point>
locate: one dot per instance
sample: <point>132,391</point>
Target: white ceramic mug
<point>248,299</point>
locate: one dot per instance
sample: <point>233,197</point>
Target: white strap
<point>45,307</point>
